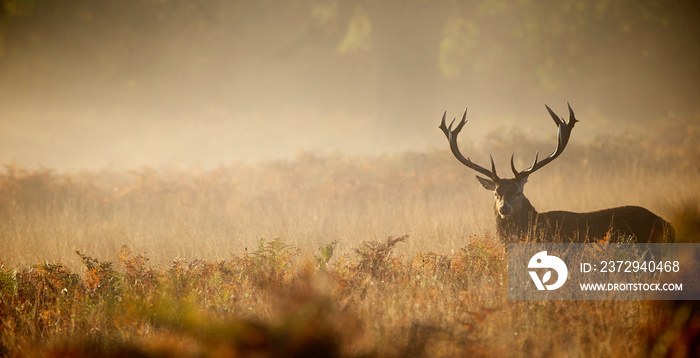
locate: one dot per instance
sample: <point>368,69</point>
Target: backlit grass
<point>320,255</point>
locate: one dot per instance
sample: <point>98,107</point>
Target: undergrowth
<point>333,283</point>
<point>276,302</point>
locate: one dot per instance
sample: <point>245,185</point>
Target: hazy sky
<point>91,84</point>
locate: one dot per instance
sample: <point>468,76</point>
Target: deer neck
<point>517,226</point>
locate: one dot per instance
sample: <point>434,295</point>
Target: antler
<point>564,133</point>
<point>452,138</point>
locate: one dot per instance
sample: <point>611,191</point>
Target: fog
<point>121,84</point>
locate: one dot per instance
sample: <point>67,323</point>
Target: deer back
<point>621,224</point>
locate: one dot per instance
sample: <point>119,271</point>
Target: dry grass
<point>292,258</point>
<point>307,203</point>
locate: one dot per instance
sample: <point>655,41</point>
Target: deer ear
<point>488,184</point>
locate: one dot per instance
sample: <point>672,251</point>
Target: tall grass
<point>307,202</point>
<point>363,256</point>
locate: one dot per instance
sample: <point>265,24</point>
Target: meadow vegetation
<point>324,254</point>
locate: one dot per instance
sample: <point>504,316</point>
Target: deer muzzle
<point>505,211</point>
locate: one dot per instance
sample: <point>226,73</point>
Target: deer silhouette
<point>518,221</point>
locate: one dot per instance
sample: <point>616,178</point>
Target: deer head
<point>510,200</point>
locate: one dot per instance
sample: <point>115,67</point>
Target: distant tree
<point>625,49</point>
<point>400,61</point>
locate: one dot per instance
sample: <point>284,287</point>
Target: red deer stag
<point>517,219</point>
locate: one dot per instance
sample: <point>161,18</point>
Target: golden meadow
<point>325,255</point>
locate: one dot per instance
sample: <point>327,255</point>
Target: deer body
<point>616,224</point>
<point>517,220</point>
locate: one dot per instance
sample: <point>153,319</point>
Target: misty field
<point>323,254</point>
